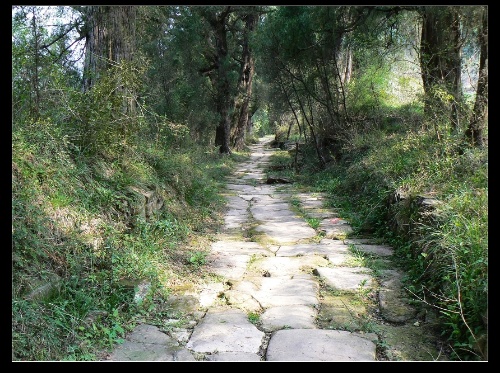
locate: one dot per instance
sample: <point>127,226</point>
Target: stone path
<point>283,291</point>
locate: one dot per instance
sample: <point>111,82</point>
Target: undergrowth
<point>444,251</point>
<point>88,230</point>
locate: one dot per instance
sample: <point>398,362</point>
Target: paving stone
<point>236,203</point>
<point>379,250</point>
<point>235,221</point>
<point>295,316</point>
<point>283,266</point>
<point>322,248</point>
<point>320,345</point>
<point>393,300</point>
<point>278,280</point>
<point>226,330</point>
<point>210,294</point>
<point>239,248</point>
<point>227,265</point>
<point>292,230</point>
<point>243,301</point>
<point>233,356</point>
<point>281,291</point>
<point>338,259</point>
<point>345,278</point>
<point>148,343</point>
<point>264,214</point>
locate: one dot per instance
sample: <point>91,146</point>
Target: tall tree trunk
<point>245,84</point>
<point>94,46</point>
<point>456,71</point>
<point>218,23</point>
<point>34,78</point>
<point>110,40</point>
<point>440,62</point>
<point>474,133</point>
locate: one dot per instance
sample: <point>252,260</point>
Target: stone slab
<point>228,265</point>
<point>379,250</point>
<point>322,248</point>
<point>295,316</point>
<point>266,214</point>
<point>233,222</point>
<point>237,203</point>
<point>239,248</point>
<point>287,232</point>
<point>345,278</point>
<point>281,291</point>
<point>393,301</point>
<point>233,356</point>
<point>287,266</point>
<point>148,343</point>
<point>320,345</point>
<point>225,330</point>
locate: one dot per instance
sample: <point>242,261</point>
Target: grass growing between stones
<point>254,318</point>
<point>349,311</point>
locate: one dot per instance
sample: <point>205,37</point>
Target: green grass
<point>197,258</point>
<point>254,318</point>
<point>444,254</point>
<point>82,238</point>
<point>313,222</point>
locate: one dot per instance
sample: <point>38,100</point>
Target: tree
<point>112,76</point>
<point>440,60</point>
<point>247,69</point>
<point>479,119</point>
<point>110,40</point>
<point>208,86</point>
<point>218,71</point>
<point>308,57</point>
<point>42,60</point>
<point>28,36</point>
